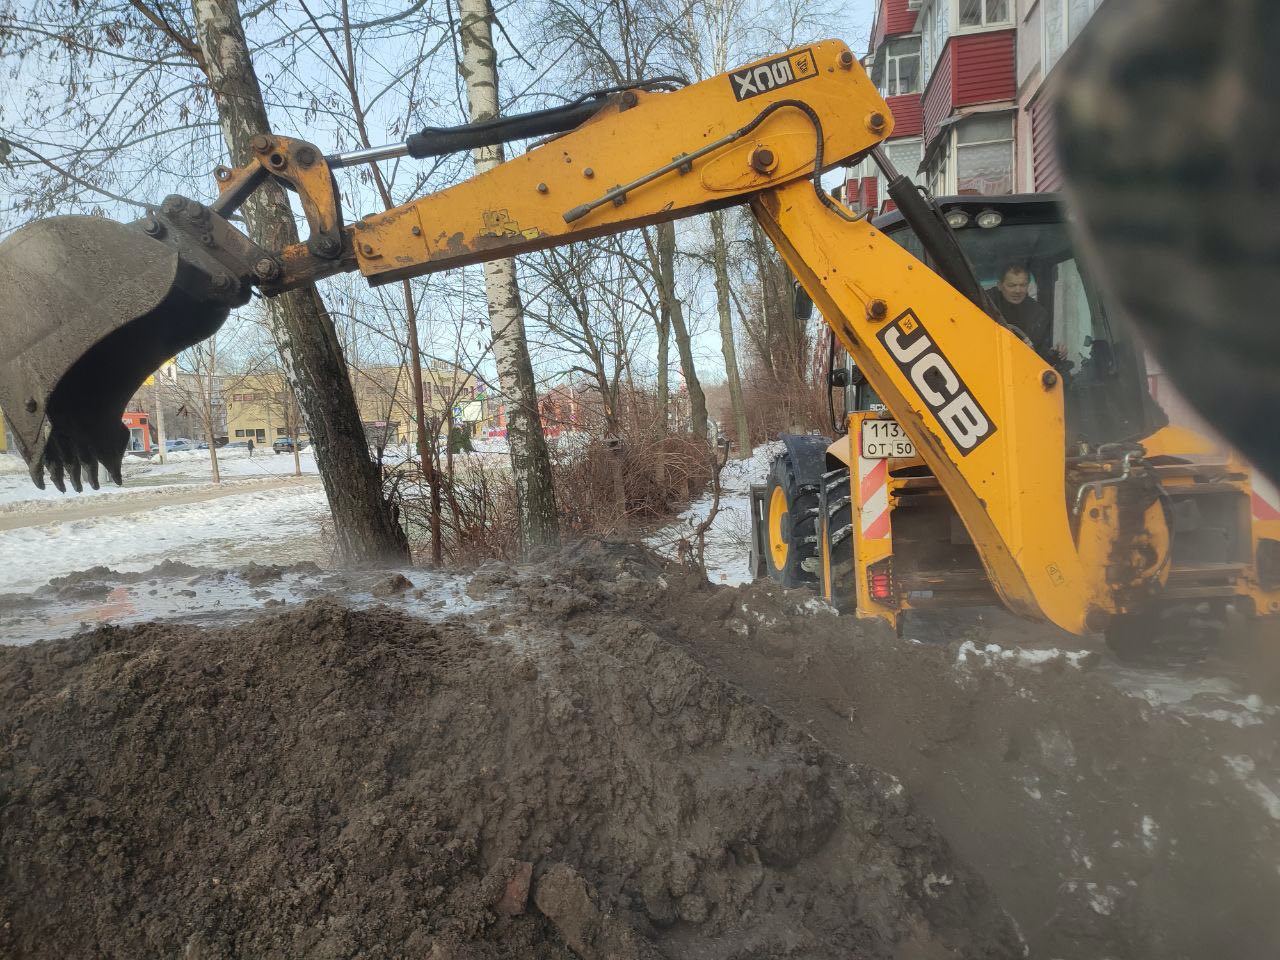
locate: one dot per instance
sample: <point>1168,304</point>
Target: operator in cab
<point>1012,298</point>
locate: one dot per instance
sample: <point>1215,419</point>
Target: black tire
<point>837,534</point>
<point>791,526</point>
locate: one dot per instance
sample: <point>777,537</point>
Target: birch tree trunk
<point>667,260</point>
<point>530,462</point>
<point>362,520</point>
<point>720,256</point>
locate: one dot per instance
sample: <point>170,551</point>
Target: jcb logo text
<point>937,383</point>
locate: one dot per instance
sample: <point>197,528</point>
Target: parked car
<point>235,445</point>
<point>285,444</point>
<point>178,443</point>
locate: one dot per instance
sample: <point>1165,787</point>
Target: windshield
<point>1036,284</point>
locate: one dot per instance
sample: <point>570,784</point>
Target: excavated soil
<point>612,758</point>
<point>1108,823</point>
<point>551,779</point>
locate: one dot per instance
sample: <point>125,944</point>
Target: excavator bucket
<point>89,308</point>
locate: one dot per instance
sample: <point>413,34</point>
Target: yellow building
<point>384,395</point>
<point>261,407</point>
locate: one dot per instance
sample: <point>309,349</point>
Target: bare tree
<point>684,343</point>
<point>208,374</point>
<point>363,522</point>
<point>530,461</point>
<point>199,386</point>
<point>624,41</point>
<point>589,297</point>
<point>720,259</point>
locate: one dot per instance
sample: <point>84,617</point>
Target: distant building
<point>560,408</point>
<point>971,85</point>
<point>384,395</point>
<point>261,407</point>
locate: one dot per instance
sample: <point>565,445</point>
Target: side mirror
<point>841,377</point>
<point>803,304</point>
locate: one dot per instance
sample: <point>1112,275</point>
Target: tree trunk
<point>209,431</point>
<point>720,255</point>
<point>426,443</point>
<point>363,523</point>
<point>530,461</point>
<point>667,260</point>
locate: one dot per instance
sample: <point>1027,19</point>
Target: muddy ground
<point>551,780</point>
<point>612,758</point>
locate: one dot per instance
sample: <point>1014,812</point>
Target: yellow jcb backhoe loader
<point>864,521</point>
<point>1075,535</point>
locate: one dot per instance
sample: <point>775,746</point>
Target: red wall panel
<point>1045,172</point>
<point>984,67</point>
<point>892,19</point>
<point>870,190</point>
<point>907,117</point>
<point>937,101</point>
<point>974,68</point>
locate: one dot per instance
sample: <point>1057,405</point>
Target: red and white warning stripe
<point>1266,498</point>
<point>873,482</point>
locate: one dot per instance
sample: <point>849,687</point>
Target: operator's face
<point>1014,286</point>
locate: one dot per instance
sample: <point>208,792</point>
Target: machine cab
<point>1023,243</point>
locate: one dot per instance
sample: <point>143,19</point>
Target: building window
<point>905,156</point>
<point>1063,21</point>
<point>900,69</point>
<point>280,431</point>
<point>239,433</point>
<point>926,45</point>
<point>983,13</point>
<point>984,155</point>
<point>935,27</point>
<point>939,167</point>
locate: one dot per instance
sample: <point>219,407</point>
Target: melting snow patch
<point>727,540</point>
<point>1244,768</point>
<point>1101,899</point>
<point>993,653</point>
<point>932,882</point>
<point>1149,832</point>
<point>1209,698</point>
<point>814,605</point>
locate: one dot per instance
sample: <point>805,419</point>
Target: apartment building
<point>971,86</point>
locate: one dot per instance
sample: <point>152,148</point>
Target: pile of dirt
<point>1107,826</point>
<point>554,779</point>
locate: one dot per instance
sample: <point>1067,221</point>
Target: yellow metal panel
<point>1009,487</point>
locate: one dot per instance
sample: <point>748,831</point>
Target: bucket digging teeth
<point>89,309</point>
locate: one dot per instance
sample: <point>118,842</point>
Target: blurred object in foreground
<point>1168,131</point>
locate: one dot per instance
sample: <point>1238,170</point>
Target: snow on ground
<point>971,654</point>
<point>183,468</point>
<point>216,597</point>
<point>277,525</point>
<point>729,537</point>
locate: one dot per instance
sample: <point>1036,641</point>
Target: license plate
<point>882,439</point>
